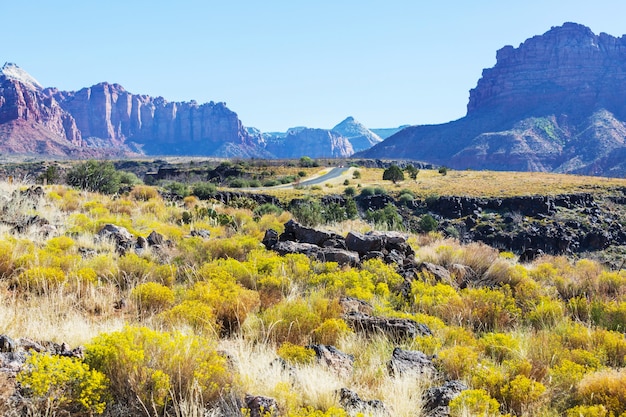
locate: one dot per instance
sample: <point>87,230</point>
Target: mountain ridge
<point>554,103</point>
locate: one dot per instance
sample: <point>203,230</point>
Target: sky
<point>280,64</point>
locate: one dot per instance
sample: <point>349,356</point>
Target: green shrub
<point>393,173</point>
<point>387,217</point>
<point>267,208</point>
<point>428,223</point>
<point>308,212</point>
<point>203,190</point>
<point>61,383</point>
<point>178,189</point>
<point>95,176</point>
<point>369,191</point>
<point>349,191</point>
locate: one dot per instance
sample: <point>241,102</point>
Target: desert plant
<point>59,383</point>
<point>296,354</point>
<point>96,176</point>
<point>393,173</point>
<point>152,297</point>
<point>148,368</point>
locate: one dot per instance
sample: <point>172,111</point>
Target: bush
<point>522,394</point>
<point>350,191</point>
<point>474,402</point>
<point>178,189</point>
<point>457,361</point>
<point>238,183</point>
<point>198,315</point>
<point>369,191</point>
<point>308,212</point>
<point>330,331</point>
<point>153,367</point>
<point>267,208</point>
<point>607,388</point>
<point>152,297</point>
<point>203,190</point>
<point>295,354</point>
<point>428,223</point>
<point>95,176</point>
<point>356,174</point>
<point>144,193</point>
<point>387,217</point>
<point>62,383</point>
<point>393,173</point>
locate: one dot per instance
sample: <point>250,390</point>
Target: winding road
<point>330,175</point>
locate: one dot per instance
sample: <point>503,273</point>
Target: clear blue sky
<point>280,64</point>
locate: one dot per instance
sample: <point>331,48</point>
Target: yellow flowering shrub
<point>296,354</point>
<point>606,387</point>
<point>62,383</point>
<point>457,361</point>
<point>198,315</point>
<point>152,297</point>
<point>330,331</point>
<point>522,394</point>
<point>330,412</point>
<point>474,402</point>
<point>41,279</point>
<point>150,366</point>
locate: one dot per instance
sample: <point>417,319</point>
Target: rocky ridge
<point>552,104</point>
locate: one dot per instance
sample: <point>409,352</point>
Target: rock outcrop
<point>555,103</point>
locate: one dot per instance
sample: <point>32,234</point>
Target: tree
<point>412,171</point>
<point>96,176</point>
<point>393,173</point>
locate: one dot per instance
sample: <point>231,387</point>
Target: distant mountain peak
<point>359,136</point>
<point>11,71</point>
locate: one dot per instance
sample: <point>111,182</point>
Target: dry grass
<point>473,183</point>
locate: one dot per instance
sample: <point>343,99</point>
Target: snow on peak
<point>13,72</point>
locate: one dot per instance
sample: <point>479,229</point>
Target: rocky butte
<point>555,103</point>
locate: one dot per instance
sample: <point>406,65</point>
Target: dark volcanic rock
<point>436,400</point>
<point>341,256</point>
<point>260,406</point>
<point>335,359</point>
<point>352,403</point>
<point>405,362</point>
<point>394,328</point>
<point>294,231</point>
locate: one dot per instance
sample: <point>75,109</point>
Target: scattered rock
<point>405,362</point>
<point>155,239</point>
<point>260,406</point>
<point>352,403</point>
<point>340,362</point>
<point>203,233</point>
<point>394,328</point>
<point>7,344</point>
<point>296,232</point>
<point>286,247</point>
<point>122,238</point>
<point>436,400</point>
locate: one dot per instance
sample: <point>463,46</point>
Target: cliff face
<point>107,119</point>
<point>31,121</point>
<point>568,68</point>
<point>555,103</point>
<point>108,111</point>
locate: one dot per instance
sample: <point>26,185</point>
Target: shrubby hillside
<point>153,302</point>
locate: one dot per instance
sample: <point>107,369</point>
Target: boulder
<point>270,239</point>
<point>285,247</point>
<point>395,329</point>
<point>296,232</point>
<point>340,362</point>
<point>260,406</point>
<point>405,362</point>
<point>353,404</point>
<point>7,344</point>
<point>155,239</point>
<point>364,243</point>
<point>436,400</point>
<point>341,256</point>
<point>122,238</point>
<point>354,305</point>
